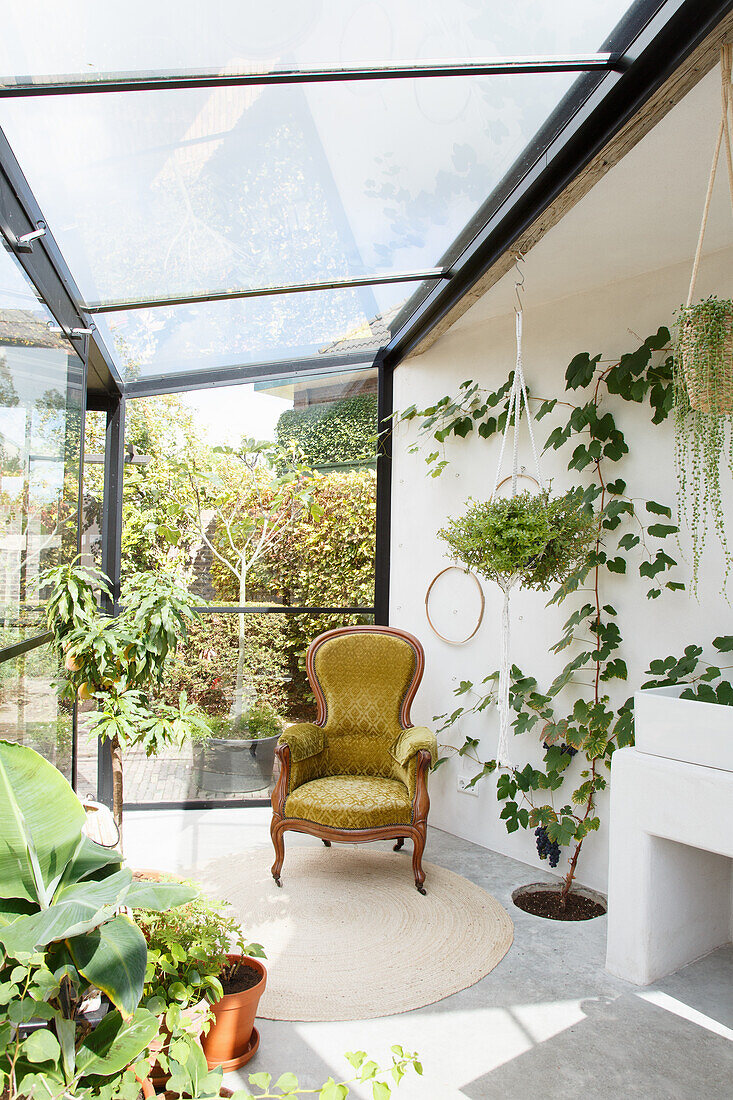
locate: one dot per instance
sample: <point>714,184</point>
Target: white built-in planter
<point>683,729</point>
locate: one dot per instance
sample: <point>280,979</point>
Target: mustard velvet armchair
<point>360,771</point>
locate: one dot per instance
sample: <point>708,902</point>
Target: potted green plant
<point>117,664</point>
<point>684,713</point>
<point>237,755</point>
<point>72,963</point>
<point>203,980</point>
<point>531,540</point>
<point>703,404</point>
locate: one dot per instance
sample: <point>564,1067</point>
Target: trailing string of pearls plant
<point>703,378</point>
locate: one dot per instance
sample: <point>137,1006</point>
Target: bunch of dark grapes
<point>546,848</point>
<point>563,748</point>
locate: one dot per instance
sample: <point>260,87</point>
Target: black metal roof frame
<point>175,80</point>
<point>648,45</point>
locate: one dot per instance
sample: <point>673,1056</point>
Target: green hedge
<point>342,432</point>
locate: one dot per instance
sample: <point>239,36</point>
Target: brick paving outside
<point>169,777</point>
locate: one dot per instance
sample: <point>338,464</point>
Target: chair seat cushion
<point>351,802</point>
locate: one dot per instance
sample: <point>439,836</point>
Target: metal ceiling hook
<point>519,283</point>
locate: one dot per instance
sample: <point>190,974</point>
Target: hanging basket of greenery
<point>703,377</point>
<point>704,357</point>
<point>532,540</point>
<point>703,421</point>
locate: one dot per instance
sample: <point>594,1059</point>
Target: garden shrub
<point>341,432</point>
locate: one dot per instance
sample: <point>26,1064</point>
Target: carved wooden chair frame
<point>415,830</point>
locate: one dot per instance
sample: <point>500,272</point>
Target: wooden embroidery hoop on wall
<point>451,641</point>
<point>521,474</point>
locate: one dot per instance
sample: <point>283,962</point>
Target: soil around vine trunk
<point>244,977</point>
<point>546,903</point>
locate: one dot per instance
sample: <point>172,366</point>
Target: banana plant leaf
<point>57,884</point>
<point>40,824</point>
<point>12,908</point>
<point>158,895</point>
<point>115,1042</point>
<point>74,909</point>
<point>26,934</point>
<point>113,959</point>
<point>92,860</point>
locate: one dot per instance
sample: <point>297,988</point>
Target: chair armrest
<point>411,741</point>
<point>304,739</point>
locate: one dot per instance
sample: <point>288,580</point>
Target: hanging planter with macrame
<point>525,540</point>
<point>703,374</point>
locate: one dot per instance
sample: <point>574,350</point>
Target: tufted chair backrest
<point>364,680</point>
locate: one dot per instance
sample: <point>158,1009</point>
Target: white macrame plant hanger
<point>517,396</point>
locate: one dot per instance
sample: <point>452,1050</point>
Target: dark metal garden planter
<point>235,766</point>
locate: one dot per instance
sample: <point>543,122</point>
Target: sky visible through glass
<point>171,193</point>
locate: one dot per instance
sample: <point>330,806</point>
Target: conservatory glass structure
<point>236,229</point>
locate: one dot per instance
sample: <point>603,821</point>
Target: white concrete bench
<point>670,890</point>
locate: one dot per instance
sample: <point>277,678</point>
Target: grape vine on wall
<point>591,727</point>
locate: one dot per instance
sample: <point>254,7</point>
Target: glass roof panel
<point>85,38</point>
<point>170,339</point>
<point>154,194</point>
<point>179,192</point>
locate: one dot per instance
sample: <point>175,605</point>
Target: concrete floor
<point>547,1023</point>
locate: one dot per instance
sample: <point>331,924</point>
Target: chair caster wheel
<point>399,844</point>
<point>327,843</point>
<point>421,889</point>
<point>277,880</point>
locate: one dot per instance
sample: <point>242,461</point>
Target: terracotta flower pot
<point>232,1038</point>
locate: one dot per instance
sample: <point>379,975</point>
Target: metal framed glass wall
<point>226,226</point>
<point>42,383</point>
<point>279,545</point>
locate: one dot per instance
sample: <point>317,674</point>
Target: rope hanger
<point>517,397</point>
<point>724,132</point>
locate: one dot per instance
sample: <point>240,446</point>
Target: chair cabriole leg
<point>418,847</point>
<point>399,844</point>
<point>279,844</point>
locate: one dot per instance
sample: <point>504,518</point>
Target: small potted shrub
<point>202,980</point>
<point>116,664</point>
<point>237,755</point>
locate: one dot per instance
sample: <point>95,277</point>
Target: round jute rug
<point>348,937</point>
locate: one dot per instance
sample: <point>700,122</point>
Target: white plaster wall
<point>601,320</point>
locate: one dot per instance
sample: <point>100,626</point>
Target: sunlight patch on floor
<point>455,1047</point>
<point>679,1008</point>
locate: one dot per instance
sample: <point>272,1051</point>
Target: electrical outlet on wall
<point>463,785</point>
